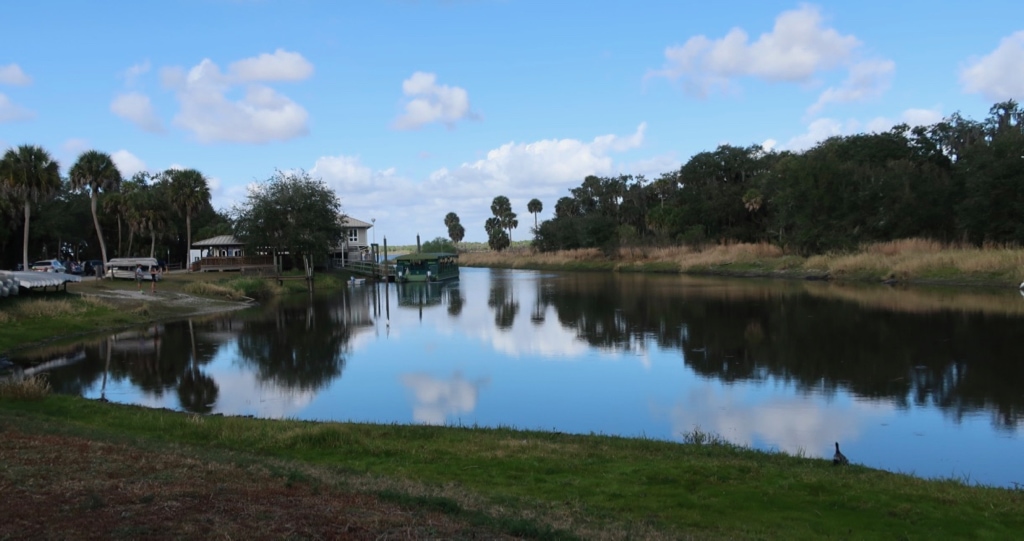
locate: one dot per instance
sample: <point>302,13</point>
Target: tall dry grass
<point>729,254</point>
<point>24,388</point>
<point>910,259</point>
<point>45,308</point>
<point>212,290</point>
<point>906,259</point>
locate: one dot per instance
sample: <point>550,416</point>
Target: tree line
<point>958,180</point>
<point>48,213</point>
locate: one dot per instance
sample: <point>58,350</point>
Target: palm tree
<point>534,207</point>
<point>31,175</point>
<point>96,171</point>
<point>189,192</point>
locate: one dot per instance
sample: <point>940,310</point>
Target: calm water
<point>929,382</point>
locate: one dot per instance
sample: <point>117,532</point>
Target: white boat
<point>124,267</point>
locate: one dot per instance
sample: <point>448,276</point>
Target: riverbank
<point>911,261</point>
<point>94,305</point>
<point>137,467</point>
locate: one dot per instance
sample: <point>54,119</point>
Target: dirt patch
<point>66,487</point>
<point>180,304</point>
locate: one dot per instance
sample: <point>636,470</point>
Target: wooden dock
<point>377,271</point>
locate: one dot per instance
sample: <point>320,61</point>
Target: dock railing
<point>384,271</point>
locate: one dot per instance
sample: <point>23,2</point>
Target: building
<point>225,252</point>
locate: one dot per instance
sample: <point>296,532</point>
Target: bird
<point>839,459</point>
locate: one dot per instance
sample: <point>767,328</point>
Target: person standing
<point>154,273</point>
<point>138,276</point>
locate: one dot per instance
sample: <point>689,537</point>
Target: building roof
<point>222,240</point>
<point>349,221</point>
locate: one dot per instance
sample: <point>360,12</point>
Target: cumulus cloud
<point>998,75</point>
<point>127,163</point>
<point>12,74</point>
<point>798,50</point>
<point>867,79</point>
<point>280,66</point>
<point>136,108</point>
<point>544,169</point>
<point>261,115</point>
<point>822,128</point>
<point>12,112</point>
<point>817,131</point>
<point>910,117</point>
<point>430,102</point>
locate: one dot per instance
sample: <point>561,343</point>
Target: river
<point>927,381</point>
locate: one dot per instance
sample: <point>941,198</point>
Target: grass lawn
<point>494,482</point>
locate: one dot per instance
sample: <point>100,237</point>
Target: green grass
<point>32,318</point>
<point>706,488</point>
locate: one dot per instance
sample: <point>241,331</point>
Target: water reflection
<point>894,374</point>
<point>811,336</point>
<point>437,400</point>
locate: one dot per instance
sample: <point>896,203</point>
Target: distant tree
<point>501,207</point>
<point>292,212</point>
<point>455,230</point>
<point>497,239</point>
<point>189,192</point>
<point>96,171</point>
<point>535,207</point>
<point>439,244</point>
<point>31,176</point>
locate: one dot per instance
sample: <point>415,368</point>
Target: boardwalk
<point>375,270</point>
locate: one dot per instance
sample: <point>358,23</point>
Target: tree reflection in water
<point>300,346</point>
<point>958,361</point>
<point>502,299</point>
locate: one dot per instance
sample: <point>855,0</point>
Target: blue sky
<point>411,110</point>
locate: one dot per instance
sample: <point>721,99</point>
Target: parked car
<point>75,267</point>
<point>48,265</point>
<point>93,267</point>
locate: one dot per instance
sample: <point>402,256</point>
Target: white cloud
<point>910,117</point>
<point>430,102</point>
<point>134,72</point>
<point>544,169</point>
<point>12,74</point>
<point>867,79</point>
<point>136,108</point>
<point>998,75</point>
<point>127,163</point>
<point>795,50</point>
<point>790,424</point>
<point>261,115</point>
<point>280,66</point>
<point>823,128</point>
<point>817,131</point>
<point>437,399</point>
<point>12,112</point>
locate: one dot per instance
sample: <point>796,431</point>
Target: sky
<point>410,110</point>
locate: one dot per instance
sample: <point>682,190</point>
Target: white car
<point>48,265</point>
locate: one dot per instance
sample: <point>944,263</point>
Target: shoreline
<point>906,262</point>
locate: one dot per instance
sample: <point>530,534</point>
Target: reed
<point>905,260</point>
<point>209,289</point>
<point>18,387</point>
